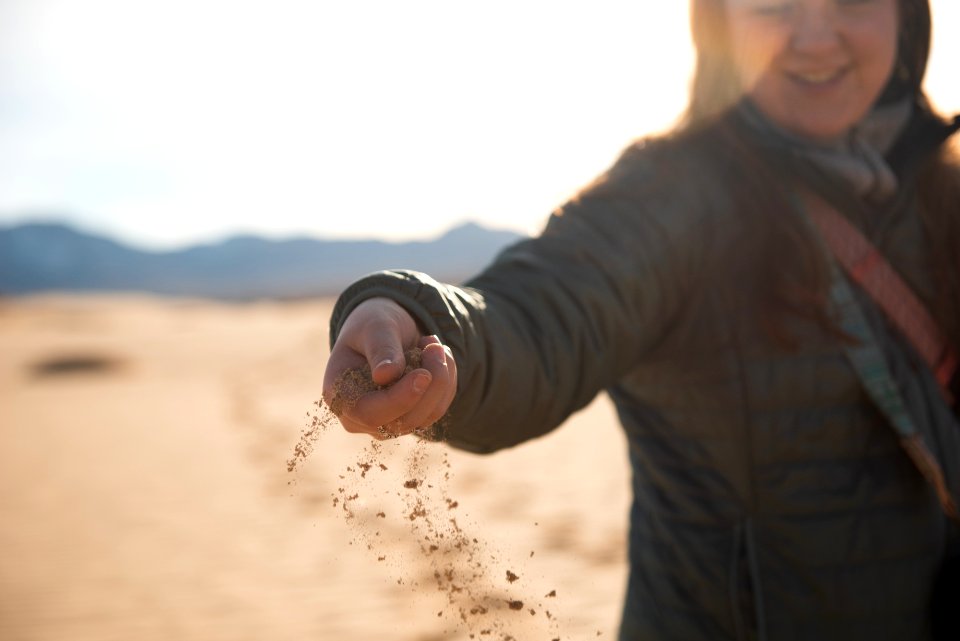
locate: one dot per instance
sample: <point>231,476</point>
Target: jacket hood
<point>913,51</point>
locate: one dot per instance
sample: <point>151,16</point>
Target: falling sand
<point>462,566</point>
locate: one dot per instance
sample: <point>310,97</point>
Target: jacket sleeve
<point>557,318</point>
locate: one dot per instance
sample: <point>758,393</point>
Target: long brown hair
<point>798,285</point>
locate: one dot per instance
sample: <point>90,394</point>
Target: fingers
<point>451,388</point>
<point>428,410</point>
<point>433,339</point>
<point>384,407</point>
<point>418,400</point>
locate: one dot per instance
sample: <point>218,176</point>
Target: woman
<point>774,497</point>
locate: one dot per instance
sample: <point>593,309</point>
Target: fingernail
<point>448,351</point>
<point>384,363</point>
<point>421,382</point>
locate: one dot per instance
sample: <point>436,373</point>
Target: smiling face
<point>813,67</point>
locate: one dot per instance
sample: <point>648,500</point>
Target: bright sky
<point>166,122</point>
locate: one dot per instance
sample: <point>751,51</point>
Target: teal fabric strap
<point>867,358</point>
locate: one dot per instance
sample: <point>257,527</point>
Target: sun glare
<point>945,52</point>
<point>182,119</point>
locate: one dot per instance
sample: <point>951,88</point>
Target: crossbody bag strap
<point>871,367</point>
<point>867,267</point>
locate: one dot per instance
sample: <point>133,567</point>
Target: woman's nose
<point>815,28</point>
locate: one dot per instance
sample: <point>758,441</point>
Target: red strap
<point>869,269</point>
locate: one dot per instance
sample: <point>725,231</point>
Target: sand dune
<point>144,492</point>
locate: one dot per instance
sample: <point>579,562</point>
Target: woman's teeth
<point>818,77</point>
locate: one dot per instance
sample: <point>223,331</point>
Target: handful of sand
<point>347,390</point>
<point>460,563</point>
<point>354,383</point>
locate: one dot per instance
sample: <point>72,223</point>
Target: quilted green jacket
<point>771,499</point>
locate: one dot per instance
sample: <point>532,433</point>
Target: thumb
<point>384,352</point>
<point>377,330</point>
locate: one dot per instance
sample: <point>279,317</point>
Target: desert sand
<point>144,491</point>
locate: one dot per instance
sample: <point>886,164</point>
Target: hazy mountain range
<point>39,257</point>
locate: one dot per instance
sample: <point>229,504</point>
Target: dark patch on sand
<point>77,364</point>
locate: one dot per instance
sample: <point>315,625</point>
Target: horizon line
<point>209,240</point>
